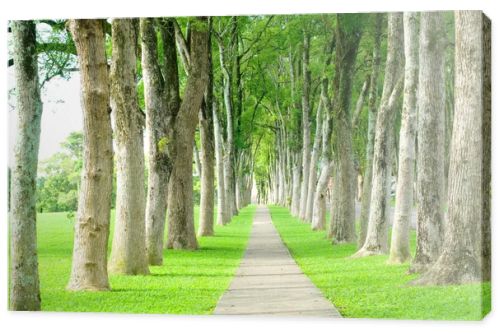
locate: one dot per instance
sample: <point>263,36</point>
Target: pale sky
<point>61,114</point>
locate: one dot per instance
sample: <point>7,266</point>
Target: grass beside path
<point>189,282</point>
<point>368,287</point>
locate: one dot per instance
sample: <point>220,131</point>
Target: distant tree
<point>59,181</point>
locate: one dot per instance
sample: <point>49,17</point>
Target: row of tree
<point>435,95</point>
<point>290,106</point>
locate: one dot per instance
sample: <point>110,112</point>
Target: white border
<point>112,323</point>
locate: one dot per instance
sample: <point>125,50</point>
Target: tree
<point>430,144</point>
<point>222,214</point>
<point>347,34</point>
<point>206,226</point>
<point>128,252</point>
<point>376,238</point>
<point>313,173</point>
<point>461,257</point>
<point>89,266</point>
<point>372,118</point>
<point>181,233</point>
<point>400,244</point>
<point>306,124</point>
<point>162,101</point>
<point>24,280</point>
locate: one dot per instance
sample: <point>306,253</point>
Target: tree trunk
<point>222,214</point>
<point>161,97</point>
<point>306,126</point>
<point>486,165</point>
<point>319,210</point>
<point>313,174</point>
<point>348,35</point>
<point>206,225</point>
<point>460,260</point>
<point>24,280</point>
<point>89,267</point>
<point>229,183</point>
<point>400,244</point>
<point>372,118</point>
<point>296,186</point>
<point>128,252</point>
<point>181,233</point>
<point>430,158</point>
<point>376,239</point>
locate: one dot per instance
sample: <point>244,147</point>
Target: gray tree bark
<point>430,158</point>
<point>222,214</point>
<point>376,238</point>
<point>161,97</point>
<point>460,260</point>
<point>181,233</point>
<point>89,266</point>
<point>306,126</point>
<point>128,252</point>
<point>206,225</point>
<point>313,173</point>
<point>348,35</point>
<point>24,280</point>
<point>372,118</point>
<point>400,244</point>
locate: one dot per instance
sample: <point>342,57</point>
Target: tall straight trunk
<point>181,233</point>
<point>229,185</point>
<point>460,260</point>
<point>89,266</point>
<point>24,280</point>
<point>306,126</point>
<point>206,225</point>
<point>376,239</point>
<point>313,174</point>
<point>296,186</point>
<point>222,214</point>
<point>400,244</point>
<point>128,252</point>
<point>348,34</point>
<point>430,158</point>
<point>372,118</point>
<point>161,97</point>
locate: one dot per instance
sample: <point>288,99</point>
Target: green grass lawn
<point>189,282</point>
<point>370,288</point>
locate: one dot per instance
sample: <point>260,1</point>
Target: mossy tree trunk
<point>461,257</point>
<point>181,233</point>
<point>430,158</point>
<point>128,252</point>
<point>24,280</point>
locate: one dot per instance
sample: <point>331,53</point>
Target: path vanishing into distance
<point>269,282</point>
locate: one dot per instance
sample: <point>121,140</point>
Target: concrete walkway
<point>269,282</point>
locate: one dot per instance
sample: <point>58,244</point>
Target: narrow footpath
<point>269,282</point>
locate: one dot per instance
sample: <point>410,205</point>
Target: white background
<point>11,322</point>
